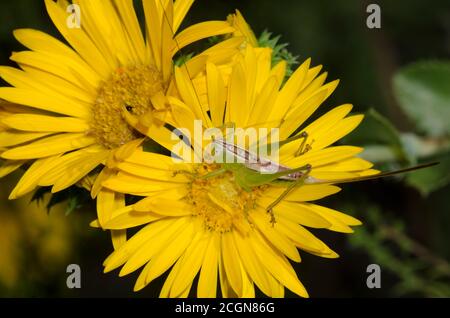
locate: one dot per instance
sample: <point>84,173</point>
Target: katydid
<point>257,170</point>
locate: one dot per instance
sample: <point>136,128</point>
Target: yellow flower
<point>7,109</point>
<point>74,99</point>
<point>242,28</point>
<point>198,223</point>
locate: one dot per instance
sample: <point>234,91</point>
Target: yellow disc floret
<point>128,89</point>
<point>220,201</point>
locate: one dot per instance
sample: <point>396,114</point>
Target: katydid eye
<point>129,108</point>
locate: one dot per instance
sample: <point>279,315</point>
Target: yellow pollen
<point>220,201</point>
<point>128,89</point>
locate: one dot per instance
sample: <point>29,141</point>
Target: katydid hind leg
<point>285,193</point>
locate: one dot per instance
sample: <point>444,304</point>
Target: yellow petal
<point>334,223</point>
<point>231,262</point>
<point>291,123</point>
<point>44,82</point>
<point>170,280</point>
<point>265,100</point>
<point>49,146</point>
<point>55,57</point>
<point>329,213</point>
<point>351,164</point>
<point>167,34</point>
<point>153,19</point>
<point>168,283</point>
<point>41,123</point>
<point>154,245</point>
<point>207,282</point>
<point>78,169</point>
<point>252,265</point>
<point>141,281</point>
<point>281,242</point>
<point>163,206</point>
<point>10,166</point>
<point>152,160</point>
<point>190,264</point>
<point>333,175</point>
<point>225,287</point>
<point>121,255</point>
<point>118,238</point>
<point>127,218</point>
<point>301,193</point>
<point>58,168</point>
<point>341,129</point>
<point>216,94</point>
<point>306,112</point>
<point>12,138</point>
<point>317,158</point>
<point>200,31</point>
<point>79,40</point>
<point>242,28</point>
<point>126,183</point>
<point>291,89</point>
<point>190,95</point>
<point>31,177</point>
<point>238,109</point>
<point>108,202</point>
<point>248,288</point>
<point>53,102</point>
<point>277,265</point>
<point>310,76</point>
<point>306,217</point>
<point>180,9</point>
<point>302,238</point>
<point>101,177</point>
<point>170,253</point>
<point>151,173</point>
<point>131,23</point>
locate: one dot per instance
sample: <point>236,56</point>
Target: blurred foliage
<point>34,248</point>
<point>418,271</point>
<point>74,198</point>
<point>423,92</point>
<point>406,104</point>
<point>381,140</point>
<point>433,178</point>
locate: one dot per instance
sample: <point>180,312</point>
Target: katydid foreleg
<point>304,147</point>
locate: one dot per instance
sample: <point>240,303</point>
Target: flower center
<point>128,89</point>
<point>220,201</point>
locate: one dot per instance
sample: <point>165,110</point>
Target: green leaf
<point>423,91</point>
<point>380,138</point>
<point>433,178</point>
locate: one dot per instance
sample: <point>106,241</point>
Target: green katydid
<point>255,171</point>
